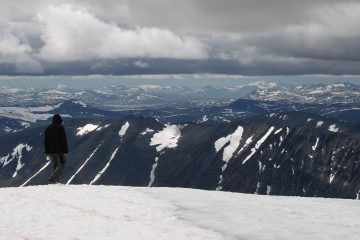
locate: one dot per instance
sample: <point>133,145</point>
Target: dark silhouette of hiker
<point>56,148</point>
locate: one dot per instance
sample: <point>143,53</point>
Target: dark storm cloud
<point>250,37</point>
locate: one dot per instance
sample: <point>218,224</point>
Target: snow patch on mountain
<point>332,176</point>
<point>247,143</point>
<point>333,128</point>
<point>258,144</point>
<point>103,127</point>
<point>82,166</point>
<point>319,123</point>
<point>104,169</point>
<point>88,128</point>
<point>16,154</point>
<point>25,124</point>
<point>124,129</point>
<point>152,173</point>
<point>146,131</point>
<point>166,138</point>
<point>234,140</point>
<point>278,131</point>
<point>7,129</point>
<point>316,144</point>
<point>204,119</point>
<point>37,173</point>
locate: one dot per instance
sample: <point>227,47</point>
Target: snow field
<point>109,212</point>
<point>82,212</point>
<point>166,138</point>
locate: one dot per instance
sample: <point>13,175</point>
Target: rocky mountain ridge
<point>240,156</point>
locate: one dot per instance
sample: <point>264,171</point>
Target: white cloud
<point>323,36</point>
<point>12,51</point>
<point>105,36</point>
<point>72,34</point>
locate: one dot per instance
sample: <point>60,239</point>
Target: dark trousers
<point>58,161</point>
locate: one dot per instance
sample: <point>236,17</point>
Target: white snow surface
<point>278,131</point>
<point>319,123</point>
<point>123,129</point>
<point>333,128</point>
<point>88,128</point>
<point>166,138</point>
<point>152,173</point>
<point>126,213</point>
<point>234,142</point>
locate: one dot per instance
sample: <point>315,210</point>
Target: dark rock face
<point>247,157</point>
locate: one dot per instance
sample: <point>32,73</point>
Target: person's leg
<point>54,162</point>
<point>60,166</point>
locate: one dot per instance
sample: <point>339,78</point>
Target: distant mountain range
<point>345,93</point>
<point>120,97</point>
<point>17,118</point>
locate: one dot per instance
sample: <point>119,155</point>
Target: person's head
<point>57,119</point>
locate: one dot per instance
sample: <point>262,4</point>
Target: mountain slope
<point>100,212</point>
<point>242,157</point>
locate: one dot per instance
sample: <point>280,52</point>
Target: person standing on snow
<point>56,147</point>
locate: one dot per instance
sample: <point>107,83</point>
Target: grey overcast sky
<point>123,37</point>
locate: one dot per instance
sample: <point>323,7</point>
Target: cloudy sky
<point>120,37</point>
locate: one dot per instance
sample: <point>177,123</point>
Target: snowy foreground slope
<point>106,212</point>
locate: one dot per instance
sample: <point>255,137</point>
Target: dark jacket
<point>55,139</point>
